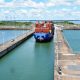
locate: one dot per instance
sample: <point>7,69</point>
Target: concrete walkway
<point>8,46</point>
<point>64,57</point>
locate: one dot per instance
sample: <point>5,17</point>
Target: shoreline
<point>15,28</point>
<point>69,26</point>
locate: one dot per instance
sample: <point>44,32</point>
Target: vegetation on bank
<point>63,22</point>
<point>68,25</point>
<point>15,24</point>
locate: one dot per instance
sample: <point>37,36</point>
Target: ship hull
<point>43,37</point>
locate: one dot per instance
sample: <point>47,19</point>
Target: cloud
<point>25,3</point>
<point>60,2</point>
<point>77,2</point>
<point>29,9</point>
<point>33,4</point>
<point>1,1</point>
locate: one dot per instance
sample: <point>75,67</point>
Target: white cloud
<point>77,13</point>
<point>50,4</point>
<point>31,3</point>
<point>77,2</point>
<point>28,3</point>
<point>1,1</point>
<point>7,11</point>
<point>39,10</point>
<point>24,11</point>
<point>60,2</point>
<point>40,14</point>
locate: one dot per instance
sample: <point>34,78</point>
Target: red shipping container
<point>38,30</point>
<point>45,30</point>
<point>38,25</point>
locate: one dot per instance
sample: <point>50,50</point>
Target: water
<point>75,21</point>
<point>29,61</point>
<point>6,35</point>
<point>73,38</point>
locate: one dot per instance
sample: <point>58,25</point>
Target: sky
<point>39,9</point>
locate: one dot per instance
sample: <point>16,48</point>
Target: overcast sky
<point>39,9</point>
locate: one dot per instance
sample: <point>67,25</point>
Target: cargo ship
<point>44,31</point>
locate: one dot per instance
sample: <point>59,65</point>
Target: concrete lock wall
<point>8,46</point>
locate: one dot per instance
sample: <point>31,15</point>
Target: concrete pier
<point>8,46</point>
<point>67,64</point>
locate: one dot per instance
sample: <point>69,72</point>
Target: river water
<point>73,38</point>
<point>6,35</point>
<point>29,61</point>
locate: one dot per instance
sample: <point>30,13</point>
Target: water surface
<point>73,38</point>
<point>29,61</point>
<point>6,35</point>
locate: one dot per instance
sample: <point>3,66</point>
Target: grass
<point>64,22</point>
<point>16,24</point>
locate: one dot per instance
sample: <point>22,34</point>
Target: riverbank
<point>72,27</point>
<point>14,25</point>
<point>64,58</point>
<point>68,25</point>
<point>14,28</point>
